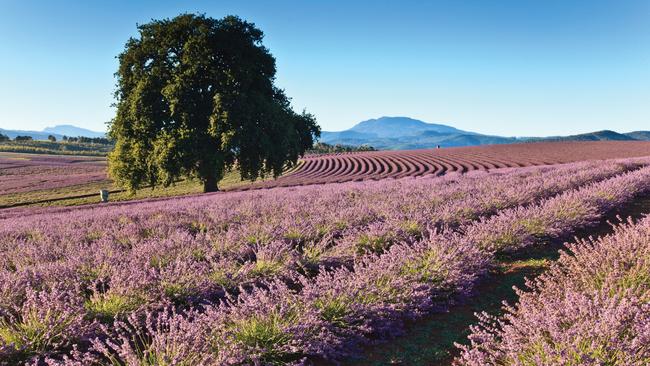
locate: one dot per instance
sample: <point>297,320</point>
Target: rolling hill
<point>639,135</point>
<point>36,135</point>
<point>74,131</point>
<point>57,131</point>
<point>387,133</point>
<point>604,135</point>
<point>403,133</point>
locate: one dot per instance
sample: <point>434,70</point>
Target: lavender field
<point>310,274</point>
<point>28,180</point>
<point>20,173</point>
<point>590,308</point>
<point>325,183</point>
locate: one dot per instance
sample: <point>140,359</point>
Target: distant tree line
<point>323,148</point>
<point>52,138</point>
<point>86,140</point>
<point>4,138</point>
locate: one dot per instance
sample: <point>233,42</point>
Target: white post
<point>103,195</point>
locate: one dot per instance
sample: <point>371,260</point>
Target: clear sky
<point>508,67</point>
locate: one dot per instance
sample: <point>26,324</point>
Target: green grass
<point>106,307</point>
<point>334,310</point>
<point>56,148</point>
<point>73,195</point>
<point>70,196</point>
<point>34,333</point>
<point>269,335</point>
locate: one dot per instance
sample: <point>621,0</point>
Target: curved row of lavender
<point>72,277</point>
<point>356,166</point>
<point>591,308</point>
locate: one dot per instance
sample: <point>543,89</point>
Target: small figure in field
<point>437,146</point>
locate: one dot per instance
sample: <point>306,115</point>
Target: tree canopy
<point>196,97</point>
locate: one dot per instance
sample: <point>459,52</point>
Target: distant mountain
<point>403,133</point>
<point>639,135</point>
<point>36,135</point>
<point>56,131</point>
<point>400,126</point>
<point>73,131</point>
<point>604,135</point>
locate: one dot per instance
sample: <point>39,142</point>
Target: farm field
<point>430,340</point>
<point>57,148</point>
<point>64,180</point>
<point>297,275</point>
<point>345,167</point>
<point>47,180</point>
<point>251,183</point>
<point>21,173</point>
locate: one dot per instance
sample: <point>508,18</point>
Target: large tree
<point>196,97</point>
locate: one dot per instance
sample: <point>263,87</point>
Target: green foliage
<point>106,307</point>
<point>534,226</point>
<point>222,278</point>
<point>55,147</point>
<point>87,140</point>
<point>412,228</point>
<point>266,268</point>
<point>323,148</point>
<point>428,268</point>
<point>177,292</point>
<point>267,333</point>
<point>34,333</point>
<point>195,98</point>
<point>384,290</point>
<point>334,310</point>
<point>196,227</point>
<point>368,243</point>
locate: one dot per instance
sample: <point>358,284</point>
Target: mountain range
<point>57,131</point>
<point>403,133</point>
<point>386,133</point>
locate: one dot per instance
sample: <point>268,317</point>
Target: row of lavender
<point>338,310</point>
<point>190,250</point>
<point>60,278</point>
<point>591,308</point>
<point>24,173</point>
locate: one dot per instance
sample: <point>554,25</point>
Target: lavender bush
<point>591,308</point>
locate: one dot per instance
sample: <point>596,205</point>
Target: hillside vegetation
<point>56,148</point>
<point>403,133</point>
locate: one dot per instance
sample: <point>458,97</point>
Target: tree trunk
<point>210,184</point>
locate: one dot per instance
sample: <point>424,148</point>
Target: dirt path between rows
<point>430,340</point>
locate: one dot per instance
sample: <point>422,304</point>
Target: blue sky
<point>519,67</point>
